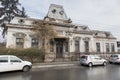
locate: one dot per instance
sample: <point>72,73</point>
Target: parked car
<point>12,63</point>
<point>91,60</point>
<point>114,58</point>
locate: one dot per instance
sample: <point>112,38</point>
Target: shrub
<point>32,54</point>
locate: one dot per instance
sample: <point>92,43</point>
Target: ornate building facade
<point>71,38</point>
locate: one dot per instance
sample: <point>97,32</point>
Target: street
<point>109,72</point>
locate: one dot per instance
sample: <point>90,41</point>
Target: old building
<point>71,38</point>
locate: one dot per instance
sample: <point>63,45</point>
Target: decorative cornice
<point>104,37</point>
<point>83,32</point>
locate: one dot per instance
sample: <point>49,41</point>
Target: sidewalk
<point>55,64</point>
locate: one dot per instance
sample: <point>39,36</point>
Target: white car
<point>12,63</point>
<point>91,60</point>
<point>114,58</point>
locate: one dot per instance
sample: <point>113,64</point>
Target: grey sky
<point>97,14</point>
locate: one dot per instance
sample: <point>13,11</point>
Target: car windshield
<point>114,55</point>
<point>83,57</point>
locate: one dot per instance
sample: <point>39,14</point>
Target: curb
<point>50,66</point>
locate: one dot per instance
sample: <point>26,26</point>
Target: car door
<point>16,63</point>
<point>99,60</point>
<point>94,60</point>
<point>4,64</point>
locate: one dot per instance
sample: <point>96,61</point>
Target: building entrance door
<point>59,49</point>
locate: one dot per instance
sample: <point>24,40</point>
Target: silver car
<point>91,60</point>
<point>114,58</point>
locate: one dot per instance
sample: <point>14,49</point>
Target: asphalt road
<point>110,72</point>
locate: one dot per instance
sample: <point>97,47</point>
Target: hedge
<point>31,54</point>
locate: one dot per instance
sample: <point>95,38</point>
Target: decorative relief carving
<point>19,35</point>
<point>54,11</point>
<point>21,21</point>
<point>33,36</point>
<point>61,12</point>
<point>86,39</point>
<point>77,38</point>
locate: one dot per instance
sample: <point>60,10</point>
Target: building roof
<point>57,12</point>
<point>57,16</point>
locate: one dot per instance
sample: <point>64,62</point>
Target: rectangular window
<point>66,46</point>
<point>34,43</point>
<point>112,47</point>
<point>107,47</point>
<point>3,59</point>
<point>86,46</point>
<point>118,44</point>
<point>19,42</point>
<point>98,47</point>
<point>76,45</point>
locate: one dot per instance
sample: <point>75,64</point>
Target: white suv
<point>12,63</point>
<point>91,60</point>
<point>114,58</point>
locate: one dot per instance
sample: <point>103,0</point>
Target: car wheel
<point>26,68</point>
<point>104,64</point>
<point>90,64</point>
<point>81,64</point>
<point>110,62</point>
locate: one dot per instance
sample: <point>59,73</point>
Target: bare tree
<point>45,32</point>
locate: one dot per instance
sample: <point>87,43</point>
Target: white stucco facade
<point>79,38</point>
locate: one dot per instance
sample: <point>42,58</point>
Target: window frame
<point>15,60</point>
<point>19,42</point>
<point>107,47</point>
<point>34,42</point>
<point>112,47</point>
<point>86,46</point>
<point>98,49</point>
<point>77,45</point>
<point>6,61</point>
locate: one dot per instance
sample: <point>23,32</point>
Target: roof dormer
<point>57,12</point>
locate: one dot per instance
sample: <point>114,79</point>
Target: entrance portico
<point>61,47</point>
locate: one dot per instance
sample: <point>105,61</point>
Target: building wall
<point>81,42</point>
<point>11,39</point>
<point>65,31</point>
<point>103,44</point>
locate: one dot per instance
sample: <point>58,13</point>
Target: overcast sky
<point>97,14</point>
